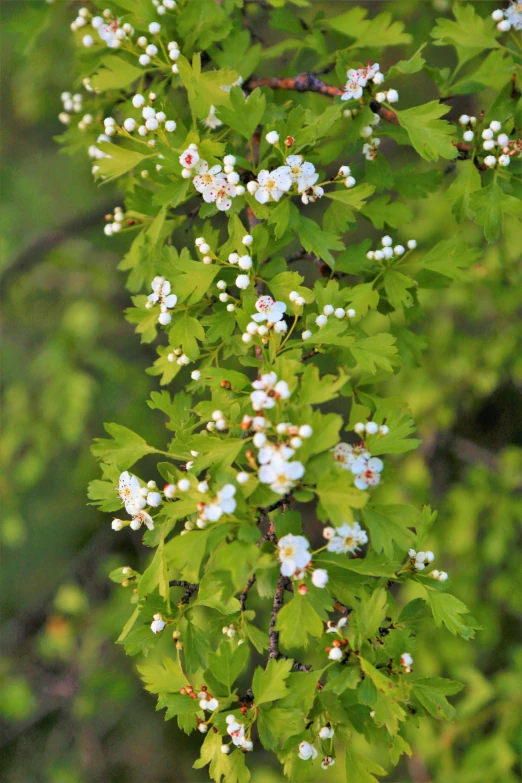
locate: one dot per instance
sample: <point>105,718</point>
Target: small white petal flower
<point>320,577</point>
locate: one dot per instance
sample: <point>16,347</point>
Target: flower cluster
<point>387,251</point>
<point>164,6</point>
<point>135,499</point>
<point>267,390</point>
<point>358,79</point>
<point>237,732</point>
<point>372,143</point>
<point>267,310</point>
<point>114,222</point>
<point>345,539</point>
<point>370,428</point>
<point>178,356</point>
<point>73,104</point>
<point>152,119</point>
<point>419,561</point>
<point>217,185</point>
<point>328,310</point>
<point>510,17</point>
<point>223,503</point>
<point>357,459</point>
<point>501,141</point>
<point>162,296</point>
<point>109,28</point>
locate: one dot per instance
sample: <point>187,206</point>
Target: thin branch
<point>189,591</point>
<point>273,650</point>
<point>244,592</point>
<point>303,82</point>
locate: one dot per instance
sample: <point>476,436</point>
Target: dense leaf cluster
<point>202,576</point>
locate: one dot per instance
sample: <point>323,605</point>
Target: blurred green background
<point>71,707</point>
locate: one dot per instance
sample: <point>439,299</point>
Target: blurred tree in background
<point>71,707</point>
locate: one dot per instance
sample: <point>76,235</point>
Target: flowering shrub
<point>281,421</point>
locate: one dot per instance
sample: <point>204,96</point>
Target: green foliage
<point>208,565</point>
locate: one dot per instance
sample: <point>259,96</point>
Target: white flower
<point>189,158</point>
<point>242,281</point>
<point>224,503</point>
<point>206,177</point>
<point>272,137</point>
<point>347,538</point>
<point>153,499</point>
<point>353,458</point>
<point>273,184</point>
<point>352,89</point>
<point>281,475</point>
<point>371,475</point>
<point>328,761</point>
<point>335,654</point>
<point>407,662</point>
<point>326,732</point>
<point>158,624</point>
<point>161,295</point>
<point>220,192</point>
<point>129,490</point>
<point>313,194</point>
<point>140,518</point>
<point>320,577</point>
<point>268,310</point>
<point>302,173</point>
<point>267,390</point>
<point>307,751</point>
<point>212,121</point>
<point>268,451</point>
<point>513,15</point>
<point>293,554</point>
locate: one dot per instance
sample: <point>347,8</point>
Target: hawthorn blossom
<point>129,490</point>
<point>237,732</point>
<point>190,157</point>
<point>293,554</point>
<point>270,451</point>
<point>224,503</point>
<point>307,751</point>
<point>510,17</point>
<point>331,627</point>
<point>358,79</point>
<point>273,184</point>
<point>371,475</point>
<point>320,577</point>
<point>281,475</point>
<point>268,310</point>
<point>419,560</point>
<point>140,518</point>
<point>326,732</point>
<point>302,173</point>
<point>158,624</point>
<point>346,539</point>
<point>205,177</point>
<point>267,390</point>
<point>353,458</point>
<point>220,192</point>
<point>407,662</point>
<point>328,761</point>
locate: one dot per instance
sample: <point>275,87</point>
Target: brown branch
<point>303,82</point>
<point>273,650</point>
<point>189,591</point>
<point>244,592</point>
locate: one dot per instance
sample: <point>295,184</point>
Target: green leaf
<point>245,114</point>
<point>382,213</point>
<point>360,769</point>
<point>315,240</point>
<point>470,31</point>
<point>467,182</point>
<point>450,257</point>
<point>227,663</point>
<point>270,684</point>
<point>377,352</point>
<point>389,523</point>
<point>366,31</point>
<point>489,205</point>
<point>276,725</point>
<point>397,288</point>
<point>196,646</point>
<point>296,621</point>
<point>214,451</point>
<point>118,160</point>
<point>185,332</point>
<point>204,88</point>
<point>369,613</point>
<point>125,448</point>
<point>415,64</point>
<point>432,692</point>
<point>316,389</point>
<point>114,73</point>
<point>338,496</point>
<point>165,677</point>
<point>429,135</point>
<point>353,197</point>
<point>448,610</point>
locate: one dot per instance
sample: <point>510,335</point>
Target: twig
<point>244,592</point>
<point>273,650</point>
<point>303,82</point>
<point>189,591</point>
